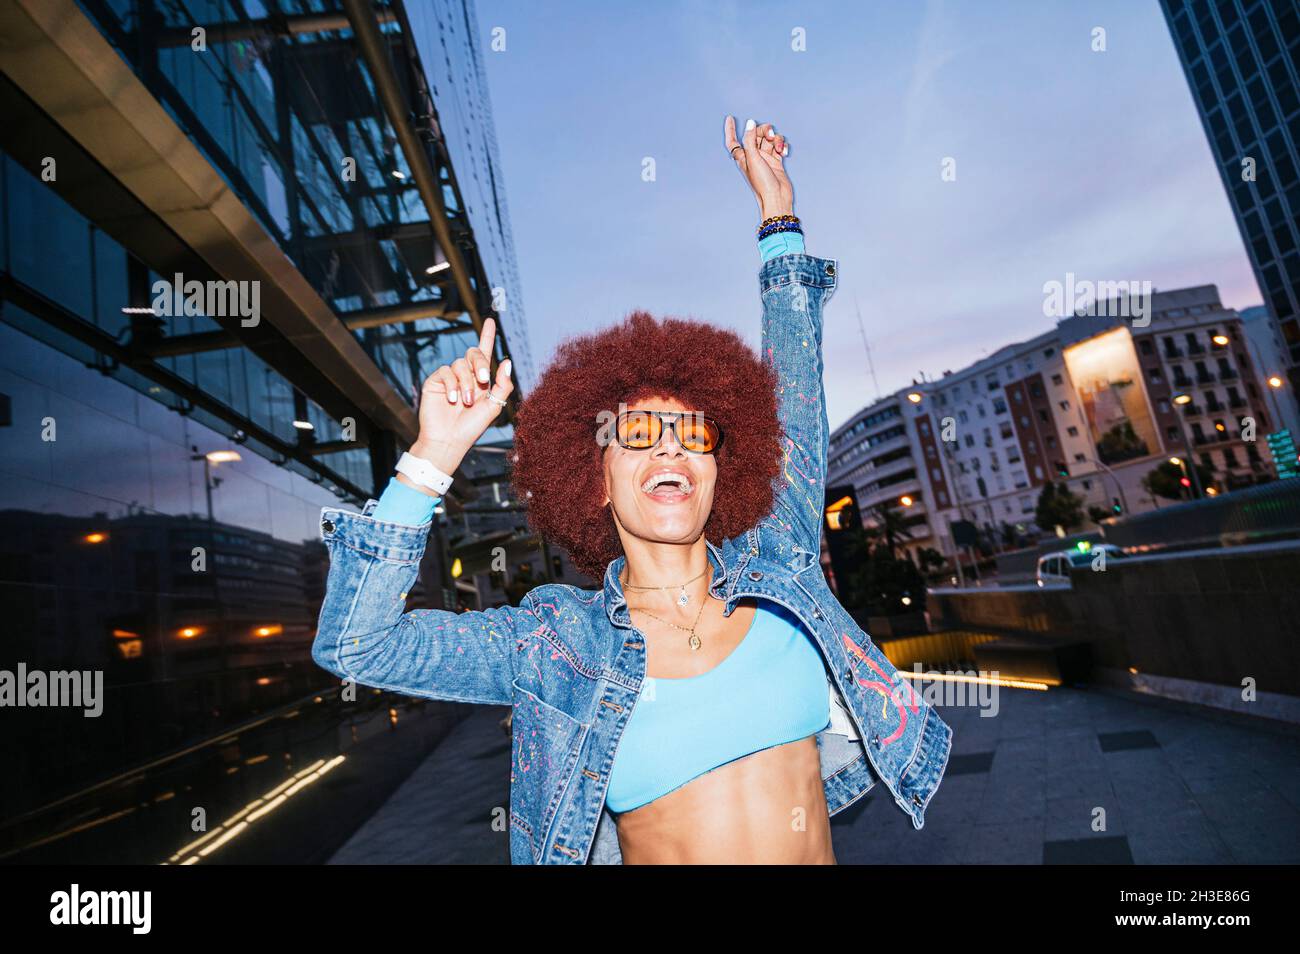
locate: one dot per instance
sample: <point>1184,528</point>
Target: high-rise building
<point>234,239</point>
<point>1242,60</point>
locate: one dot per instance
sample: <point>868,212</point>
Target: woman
<point>713,702</point>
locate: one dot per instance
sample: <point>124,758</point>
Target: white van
<point>1056,567</point>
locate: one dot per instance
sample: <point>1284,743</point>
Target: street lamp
<point>914,397</point>
<point>210,460</point>
<point>905,500</point>
<point>1181,399</point>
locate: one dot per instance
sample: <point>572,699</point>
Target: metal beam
<point>192,344</point>
<point>374,49</point>
<point>204,341</point>
<point>396,314</point>
<point>317,448</point>
<point>278,26</point>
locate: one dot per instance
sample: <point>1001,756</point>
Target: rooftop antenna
<point>870,364</point>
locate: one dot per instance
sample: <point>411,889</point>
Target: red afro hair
<point>558,464</point>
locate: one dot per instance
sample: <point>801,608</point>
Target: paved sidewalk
<point>1177,787</point>
<point>443,813</point>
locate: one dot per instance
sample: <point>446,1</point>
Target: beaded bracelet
<point>778,227</point>
<point>773,219</point>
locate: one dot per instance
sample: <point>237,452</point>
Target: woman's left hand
<point>762,160</point>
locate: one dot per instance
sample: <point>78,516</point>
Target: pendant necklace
<point>683,599</point>
<point>694,640</point>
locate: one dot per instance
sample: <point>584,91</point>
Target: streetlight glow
<point>914,397</point>
<point>1183,399</point>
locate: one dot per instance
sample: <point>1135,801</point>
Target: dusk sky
<point>1067,160</point>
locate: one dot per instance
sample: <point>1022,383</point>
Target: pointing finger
<point>487,335</point>
<point>751,139</point>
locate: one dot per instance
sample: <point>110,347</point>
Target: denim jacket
<point>571,663</point>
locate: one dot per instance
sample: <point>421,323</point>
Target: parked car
<point>1056,567</point>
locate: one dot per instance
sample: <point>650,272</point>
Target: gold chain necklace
<point>694,640</point>
<point>681,600</point>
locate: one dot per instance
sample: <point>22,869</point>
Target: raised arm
<point>363,632</point>
<point>794,287</point>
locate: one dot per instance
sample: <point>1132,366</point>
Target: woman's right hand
<point>454,406</point>
<point>760,156</point>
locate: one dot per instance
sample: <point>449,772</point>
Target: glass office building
<point>234,239</point>
<point>1242,59</point>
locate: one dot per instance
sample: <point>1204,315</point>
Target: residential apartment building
<point>1094,403</point>
<point>876,453</point>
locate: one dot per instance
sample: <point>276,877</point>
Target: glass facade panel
<point>192,584</point>
<point>1256,99</point>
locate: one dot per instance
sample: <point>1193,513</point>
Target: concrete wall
<point>1214,616</point>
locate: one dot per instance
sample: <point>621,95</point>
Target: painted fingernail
<point>452,396</point>
<point>749,124</point>
<point>506,364</point>
<point>786,150</point>
<point>483,374</point>
<point>771,133</point>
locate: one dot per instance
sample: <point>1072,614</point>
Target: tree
<point>930,558</point>
<point>890,524</point>
<point>1056,505</point>
<point>1166,480</point>
<point>852,583</point>
<point>1120,443</point>
<point>878,580</point>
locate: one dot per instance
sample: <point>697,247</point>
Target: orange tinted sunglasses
<point>641,430</point>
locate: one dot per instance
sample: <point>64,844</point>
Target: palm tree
<point>890,524</point>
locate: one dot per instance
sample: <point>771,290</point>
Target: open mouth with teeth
<point>668,487</point>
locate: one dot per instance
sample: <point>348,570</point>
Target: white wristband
<point>423,473</point>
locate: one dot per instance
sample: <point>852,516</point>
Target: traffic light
<point>1115,505</point>
<point>1185,481</point>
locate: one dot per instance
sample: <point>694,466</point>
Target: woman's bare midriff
<point>766,808</point>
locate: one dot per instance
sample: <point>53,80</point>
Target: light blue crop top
<point>769,690</point>
<point>406,505</point>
